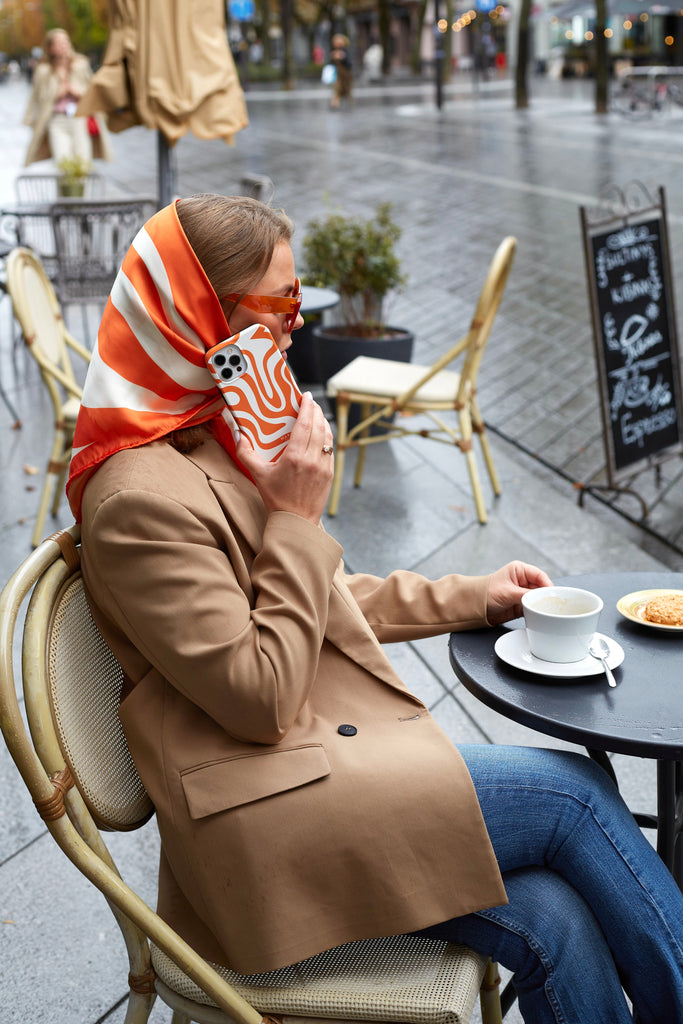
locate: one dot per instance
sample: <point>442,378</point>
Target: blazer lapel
<point>237,495</point>
<point>347,628</point>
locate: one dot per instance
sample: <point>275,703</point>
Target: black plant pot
<point>302,356</point>
<point>336,348</point>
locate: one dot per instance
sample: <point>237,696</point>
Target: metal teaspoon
<point>600,650</point>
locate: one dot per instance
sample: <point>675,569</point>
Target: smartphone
<point>258,387</point>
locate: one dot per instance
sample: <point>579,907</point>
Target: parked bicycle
<point>647,91</point>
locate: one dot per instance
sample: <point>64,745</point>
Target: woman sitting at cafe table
<point>305,798</point>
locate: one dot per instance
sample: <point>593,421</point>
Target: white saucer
<point>513,648</point>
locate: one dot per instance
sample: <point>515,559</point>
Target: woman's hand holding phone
<point>301,479</point>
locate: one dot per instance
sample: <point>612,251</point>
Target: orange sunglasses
<point>289,305</point>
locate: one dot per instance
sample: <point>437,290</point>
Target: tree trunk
<point>287,62</point>
<point>601,59</point>
<point>384,20</point>
<point>521,91</point>
<point>262,31</point>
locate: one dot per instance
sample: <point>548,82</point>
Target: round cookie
<point>667,610</point>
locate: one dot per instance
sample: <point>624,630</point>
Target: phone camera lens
<point>219,360</point>
<point>234,360</point>
<point>226,374</point>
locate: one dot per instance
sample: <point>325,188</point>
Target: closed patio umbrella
<point>169,67</point>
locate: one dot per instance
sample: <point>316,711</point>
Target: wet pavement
<point>460,179</point>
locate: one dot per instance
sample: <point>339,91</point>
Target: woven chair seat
<point>404,978</point>
<point>385,378</point>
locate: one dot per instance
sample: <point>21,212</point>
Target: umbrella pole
<point>166,165</point>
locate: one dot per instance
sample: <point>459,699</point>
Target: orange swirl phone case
<point>258,387</point>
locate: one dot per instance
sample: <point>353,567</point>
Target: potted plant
<point>73,171</point>
<point>356,257</point>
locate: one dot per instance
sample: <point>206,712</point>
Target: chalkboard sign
<point>635,337</point>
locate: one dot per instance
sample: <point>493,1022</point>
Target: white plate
<point>513,648</point>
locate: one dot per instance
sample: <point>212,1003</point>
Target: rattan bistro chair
<point>76,765</point>
<point>389,392</point>
<point>40,317</point>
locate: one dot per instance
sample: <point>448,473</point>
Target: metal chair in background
<point>75,762</point>
<point>385,388</point>
<point>29,223</point>
<point>91,238</point>
<point>44,188</point>
<point>39,315</point>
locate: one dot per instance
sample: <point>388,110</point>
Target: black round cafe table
<point>642,715</point>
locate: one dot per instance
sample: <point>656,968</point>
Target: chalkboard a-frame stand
<point>634,326</point>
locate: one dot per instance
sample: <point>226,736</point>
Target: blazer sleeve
<point>245,651</point>
<point>407,606</point>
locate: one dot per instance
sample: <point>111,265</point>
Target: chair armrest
<point>54,371</point>
<point>76,346</point>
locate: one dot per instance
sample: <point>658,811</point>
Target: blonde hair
<point>49,39</point>
<point>233,238</point>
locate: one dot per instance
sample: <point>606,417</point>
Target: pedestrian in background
<point>342,61</point>
<point>59,81</point>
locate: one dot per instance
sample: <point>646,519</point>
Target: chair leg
<point>362,449</point>
<point>466,447</point>
<point>52,473</point>
<point>489,996</point>
<point>478,426</point>
<point>339,455</point>
<point>139,1007</point>
<point>180,1018</point>
<point>488,459</point>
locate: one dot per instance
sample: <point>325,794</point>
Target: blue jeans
<point>591,906</point>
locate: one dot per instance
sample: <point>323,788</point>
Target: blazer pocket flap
<point>221,785</point>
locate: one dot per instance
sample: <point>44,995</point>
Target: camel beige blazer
<point>304,797</point>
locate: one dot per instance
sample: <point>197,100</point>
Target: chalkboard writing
<point>635,341</point>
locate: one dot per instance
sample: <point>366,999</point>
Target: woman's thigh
<point>535,799</point>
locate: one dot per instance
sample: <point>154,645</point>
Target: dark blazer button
<point>347,730</point>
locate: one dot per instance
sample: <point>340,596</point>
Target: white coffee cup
<point>561,622</point>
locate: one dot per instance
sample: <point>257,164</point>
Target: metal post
<point>166,169</point>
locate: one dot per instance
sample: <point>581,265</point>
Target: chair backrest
<point>68,665</point>
<point>91,237</point>
<point>44,188</point>
<point>38,311</point>
<point>485,313</point>
<point>29,225</point>
<point>474,342</point>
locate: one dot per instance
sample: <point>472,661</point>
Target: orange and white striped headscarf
<point>147,376</point>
